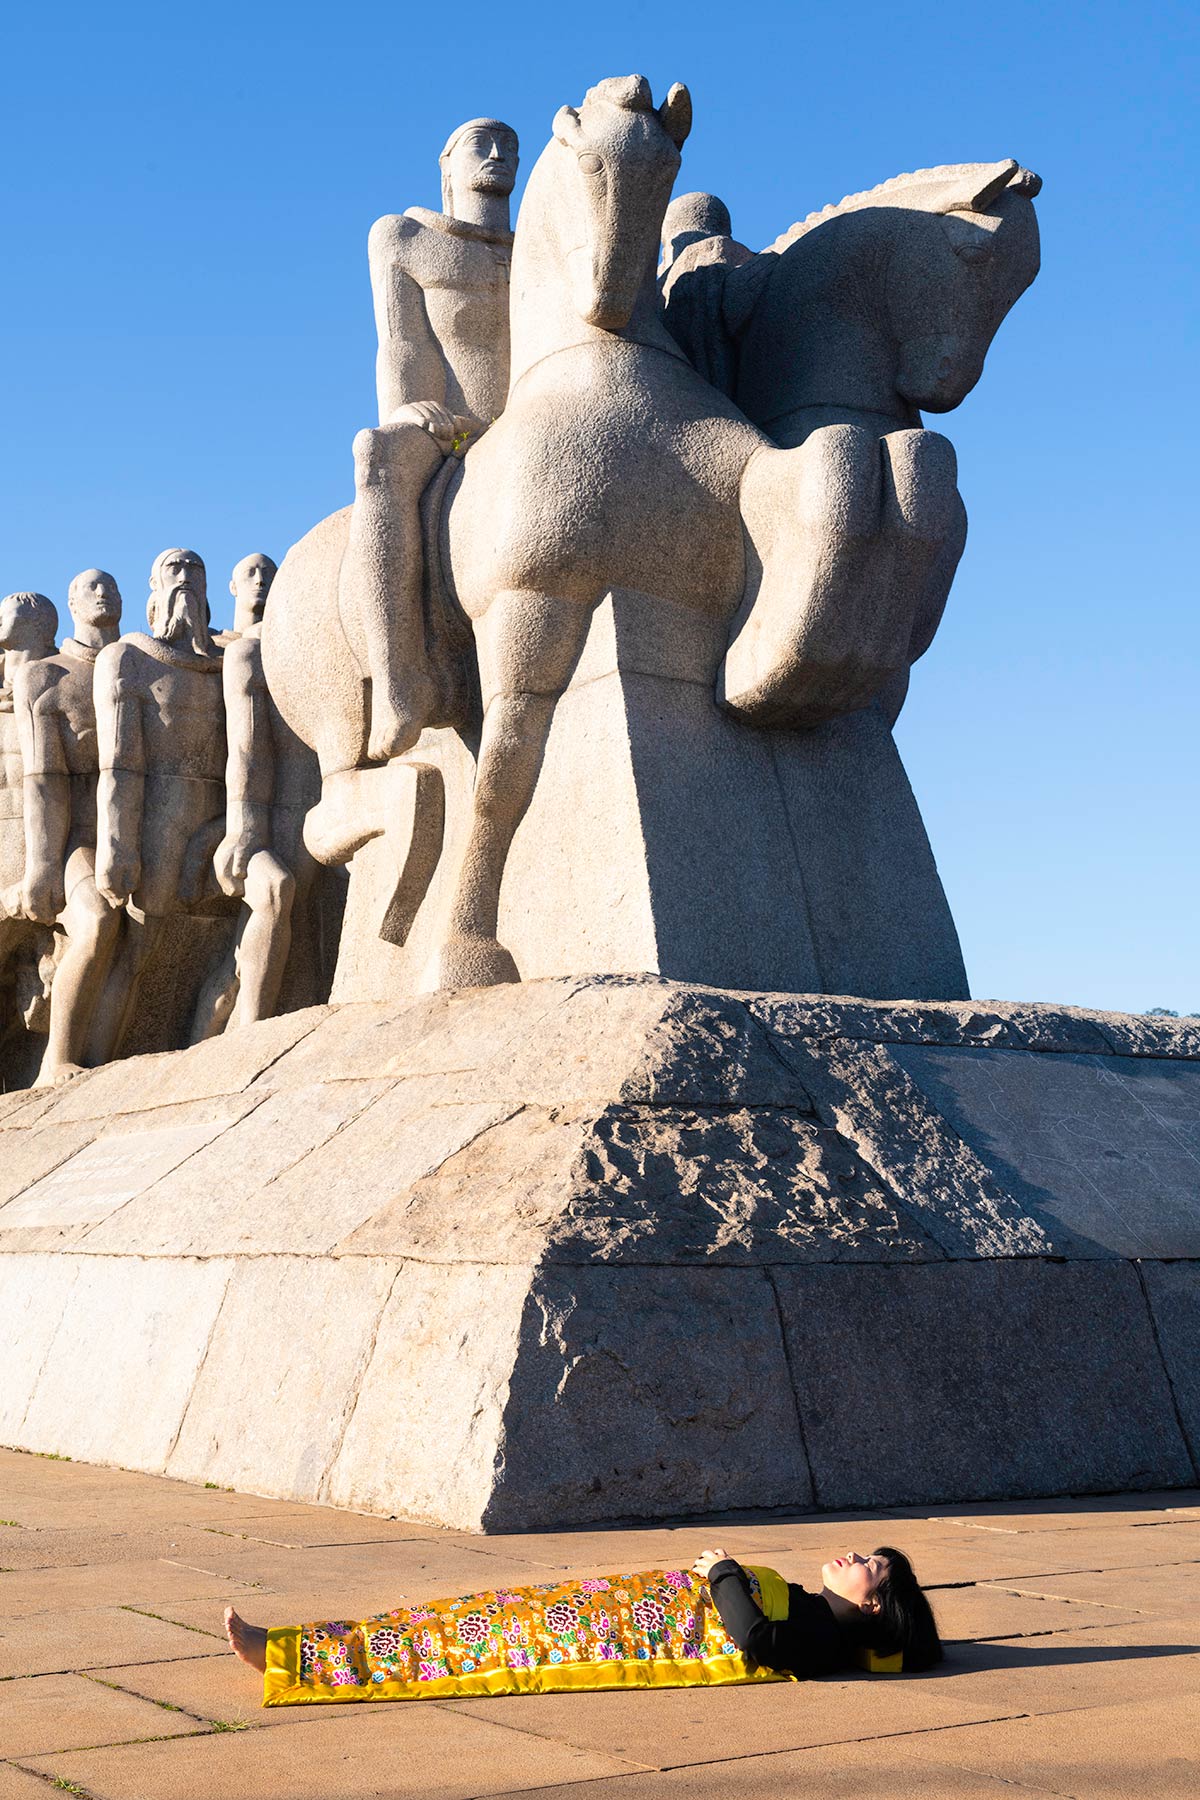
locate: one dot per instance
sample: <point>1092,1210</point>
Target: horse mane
<point>950,187</point>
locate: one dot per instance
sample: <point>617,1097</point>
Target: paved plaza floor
<point>1073,1630</point>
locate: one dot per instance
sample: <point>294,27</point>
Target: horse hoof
<point>466,962</point>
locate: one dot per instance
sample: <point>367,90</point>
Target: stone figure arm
<point>410,365</point>
<point>250,764</point>
<point>47,792</point>
<point>120,795</point>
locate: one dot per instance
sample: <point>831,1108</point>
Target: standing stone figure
<point>440,285</point>
<point>160,722</point>
<point>28,623</point>
<point>262,847</point>
<point>56,717</point>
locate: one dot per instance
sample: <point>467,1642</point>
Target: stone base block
<point>607,1248</point>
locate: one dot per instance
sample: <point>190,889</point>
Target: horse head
<point>951,284</point>
<point>592,214</point>
<point>890,299</point>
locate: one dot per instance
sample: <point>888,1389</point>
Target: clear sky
<point>188,351</point>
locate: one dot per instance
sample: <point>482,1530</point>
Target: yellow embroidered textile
<point>658,1628</point>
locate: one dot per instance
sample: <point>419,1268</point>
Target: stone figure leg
<point>380,586</point>
<point>118,997</point>
<point>245,985</point>
<point>528,646</point>
<point>92,929</point>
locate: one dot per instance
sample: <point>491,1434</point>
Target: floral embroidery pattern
<point>663,1618</point>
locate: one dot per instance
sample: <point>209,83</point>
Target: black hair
<point>905,1620</point>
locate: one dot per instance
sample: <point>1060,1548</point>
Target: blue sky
<point>188,352</point>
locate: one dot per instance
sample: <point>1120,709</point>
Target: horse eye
<point>590,163</point>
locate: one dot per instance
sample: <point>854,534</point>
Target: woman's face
<point>854,1578</point>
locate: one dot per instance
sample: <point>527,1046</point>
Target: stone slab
<point>604,1421</point>
<point>98,1181</point>
<point>33,1298</point>
<point>399,1751</point>
<point>863,1091</point>
<point>865,1771</point>
<point>222,1065</point>
<point>1099,1752</point>
<point>207,1687</point>
<point>1168,1589</point>
<point>69,1638</point>
<point>280,1374</point>
<point>1173,1291</point>
<point>121,1367</point>
<point>1034,1377</point>
<point>636,1184</point>
<point>1103,1150</point>
<point>227,1199</point>
<point>71,1712</point>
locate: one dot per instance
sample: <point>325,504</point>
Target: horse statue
<point>617,472</point>
<point>868,313</point>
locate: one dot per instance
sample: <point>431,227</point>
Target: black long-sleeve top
<point>808,1642</point>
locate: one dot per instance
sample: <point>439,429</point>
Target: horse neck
<point>831,284</point>
<point>542,315</point>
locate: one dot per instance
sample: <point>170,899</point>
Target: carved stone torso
<point>63,730</point>
<point>462,271</point>
<point>183,716</point>
<point>12,827</point>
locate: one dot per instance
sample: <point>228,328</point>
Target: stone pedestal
<point>665,836</point>
<point>584,1250</point>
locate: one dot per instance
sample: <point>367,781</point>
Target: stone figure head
<point>94,599</point>
<point>28,624</point>
<point>250,584</point>
<point>481,158</point>
<point>178,605</point>
<point>618,155</point>
<point>690,219</point>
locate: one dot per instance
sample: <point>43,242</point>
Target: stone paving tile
<point>19,1784</point>
<point>57,1642</point>
<point>991,1612</point>
<point>1104,1751</point>
<point>412,1568</point>
<point>108,1584</point>
<point>670,1729</point>
<point>318,1528</point>
<point>71,1712</point>
<point>1101,1666</point>
<point>383,1751</point>
<point>1165,1588</point>
<point>25,1548</point>
<point>211,1687</point>
<point>881,1770</point>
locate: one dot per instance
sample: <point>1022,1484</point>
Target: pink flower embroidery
<point>594,1585</point>
<point>648,1614</point>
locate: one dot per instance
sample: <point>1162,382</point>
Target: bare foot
<point>246,1641</point>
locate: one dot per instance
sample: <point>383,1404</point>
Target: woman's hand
<point>705,1561</point>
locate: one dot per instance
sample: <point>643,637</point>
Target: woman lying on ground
<point>663,1628</point>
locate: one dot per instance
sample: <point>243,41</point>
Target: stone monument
<point>649,1141</point>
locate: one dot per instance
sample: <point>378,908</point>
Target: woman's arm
<point>811,1644</point>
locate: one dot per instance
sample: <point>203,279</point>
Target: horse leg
<point>528,645</point>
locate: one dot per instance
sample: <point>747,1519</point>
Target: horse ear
<point>988,180</point>
<point>566,127</point>
<point>675,115</point>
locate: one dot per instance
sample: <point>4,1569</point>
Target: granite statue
<point>440,287</point>
<point>160,814</point>
<point>261,860</point>
<point>808,335</point>
<point>28,623</point>
<point>625,490</point>
<point>56,717</point>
